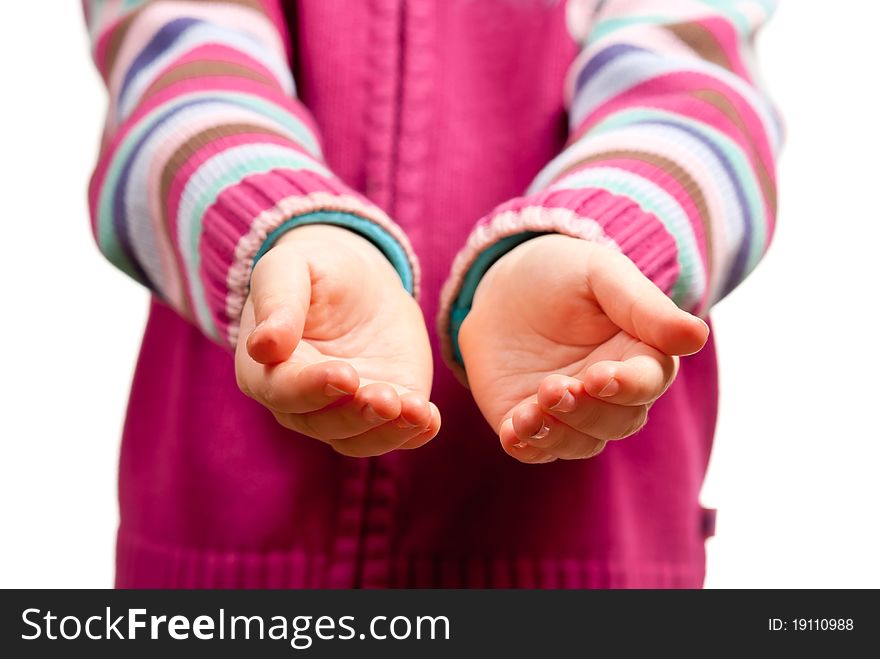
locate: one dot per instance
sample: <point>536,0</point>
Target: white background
<point>797,462</point>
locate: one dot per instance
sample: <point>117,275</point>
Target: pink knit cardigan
<point>446,132</point>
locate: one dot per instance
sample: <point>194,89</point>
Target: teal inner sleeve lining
<point>392,249</point>
<point>486,259</point>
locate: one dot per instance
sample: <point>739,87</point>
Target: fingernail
<point>404,424</point>
<point>600,446</point>
<point>331,390</point>
<point>372,416</point>
<point>566,404</point>
<point>543,432</point>
<point>611,388</point>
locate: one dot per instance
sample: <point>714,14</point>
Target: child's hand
<point>568,344</point>
<point>334,346</point>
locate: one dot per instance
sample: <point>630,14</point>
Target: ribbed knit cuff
<point>589,214</point>
<point>393,250</point>
<point>248,217</point>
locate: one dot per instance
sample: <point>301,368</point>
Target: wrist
<point>311,240</point>
<point>346,229</point>
<point>508,269</point>
<point>310,234</point>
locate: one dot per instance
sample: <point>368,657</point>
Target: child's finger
<point>297,388</point>
<point>565,399</point>
<point>415,410</point>
<point>637,380</point>
<point>393,435</point>
<point>641,309</point>
<point>516,448</point>
<point>429,434</point>
<point>551,436</point>
<point>280,294</point>
<point>372,406</point>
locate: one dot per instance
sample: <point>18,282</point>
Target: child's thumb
<point>280,292</point>
<point>638,307</point>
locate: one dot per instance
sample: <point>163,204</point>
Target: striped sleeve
<point>671,155</point>
<point>207,155</point>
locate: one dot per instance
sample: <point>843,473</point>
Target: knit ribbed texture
<point>144,564</point>
<point>669,123</point>
<point>207,152</point>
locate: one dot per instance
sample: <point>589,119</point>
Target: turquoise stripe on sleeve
<point>389,246</point>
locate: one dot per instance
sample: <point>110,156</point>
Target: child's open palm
<point>334,346</point>
<point>568,344</point>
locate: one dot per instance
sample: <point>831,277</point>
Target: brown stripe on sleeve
<point>117,37</point>
<point>702,42</point>
<point>676,171</point>
<point>196,69</point>
<point>179,158</point>
<point>723,104</point>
